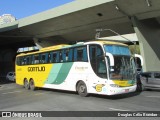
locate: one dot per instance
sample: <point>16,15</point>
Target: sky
<point>24,8</point>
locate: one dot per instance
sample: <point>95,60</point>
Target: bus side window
<point>49,57</point>
<point>28,60</point>
<point>60,56</point>
<point>55,57</point>
<point>63,53</point>
<point>42,58</point>
<point>80,54</point>
<point>24,60</point>
<point>32,59</point>
<point>75,54</point>
<point>67,55</point>
<point>85,57</point>
<point>70,55</point>
<point>19,61</point>
<point>36,59</point>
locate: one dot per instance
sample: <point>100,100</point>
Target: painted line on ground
<point>115,109</point>
<point>6,88</point>
<point>11,92</point>
<point>153,96</point>
<point>39,93</point>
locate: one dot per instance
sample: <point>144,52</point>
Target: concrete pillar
<point>7,61</point>
<point>148,33</point>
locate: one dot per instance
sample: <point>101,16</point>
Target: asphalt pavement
<point>15,98</point>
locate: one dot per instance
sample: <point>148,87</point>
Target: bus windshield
<point>117,49</point>
<point>124,67</point>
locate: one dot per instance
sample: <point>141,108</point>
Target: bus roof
<point>107,42</point>
<point>57,47</point>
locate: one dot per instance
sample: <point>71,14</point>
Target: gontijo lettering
<point>35,69</point>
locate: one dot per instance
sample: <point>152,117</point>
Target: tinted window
<point>80,54</point>
<point>98,61</point>
<point>117,49</point>
<point>49,58</point>
<point>146,75</point>
<point>60,57</point>
<point>157,75</point>
<point>44,58</point>
<point>28,60</point>
<point>19,60</point>
<point>67,55</point>
<point>10,74</point>
<point>24,60</point>
<point>36,59</point>
<point>55,56</point>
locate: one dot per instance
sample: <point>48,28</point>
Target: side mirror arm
<point>111,58</point>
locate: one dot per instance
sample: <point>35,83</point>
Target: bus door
<point>97,61</point>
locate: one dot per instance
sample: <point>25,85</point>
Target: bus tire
<point>82,89</point>
<point>32,85</point>
<point>26,84</point>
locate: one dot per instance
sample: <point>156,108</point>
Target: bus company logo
<point>81,68</point>
<point>6,114</point>
<point>99,87</point>
<point>36,69</point>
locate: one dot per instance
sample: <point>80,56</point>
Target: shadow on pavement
<point>117,97</point>
<point>114,97</point>
<point>58,91</point>
<point>4,81</point>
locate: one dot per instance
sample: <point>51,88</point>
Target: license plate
<point>126,90</point>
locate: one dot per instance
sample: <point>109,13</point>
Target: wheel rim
<point>82,89</point>
<point>32,85</point>
<point>26,84</point>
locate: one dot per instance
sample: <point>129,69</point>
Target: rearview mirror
<point>140,57</point>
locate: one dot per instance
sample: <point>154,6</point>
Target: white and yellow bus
<point>95,67</point>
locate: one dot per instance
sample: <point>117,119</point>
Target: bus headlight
<point>114,85</point>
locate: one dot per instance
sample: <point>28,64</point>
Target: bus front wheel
<point>82,89</point>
